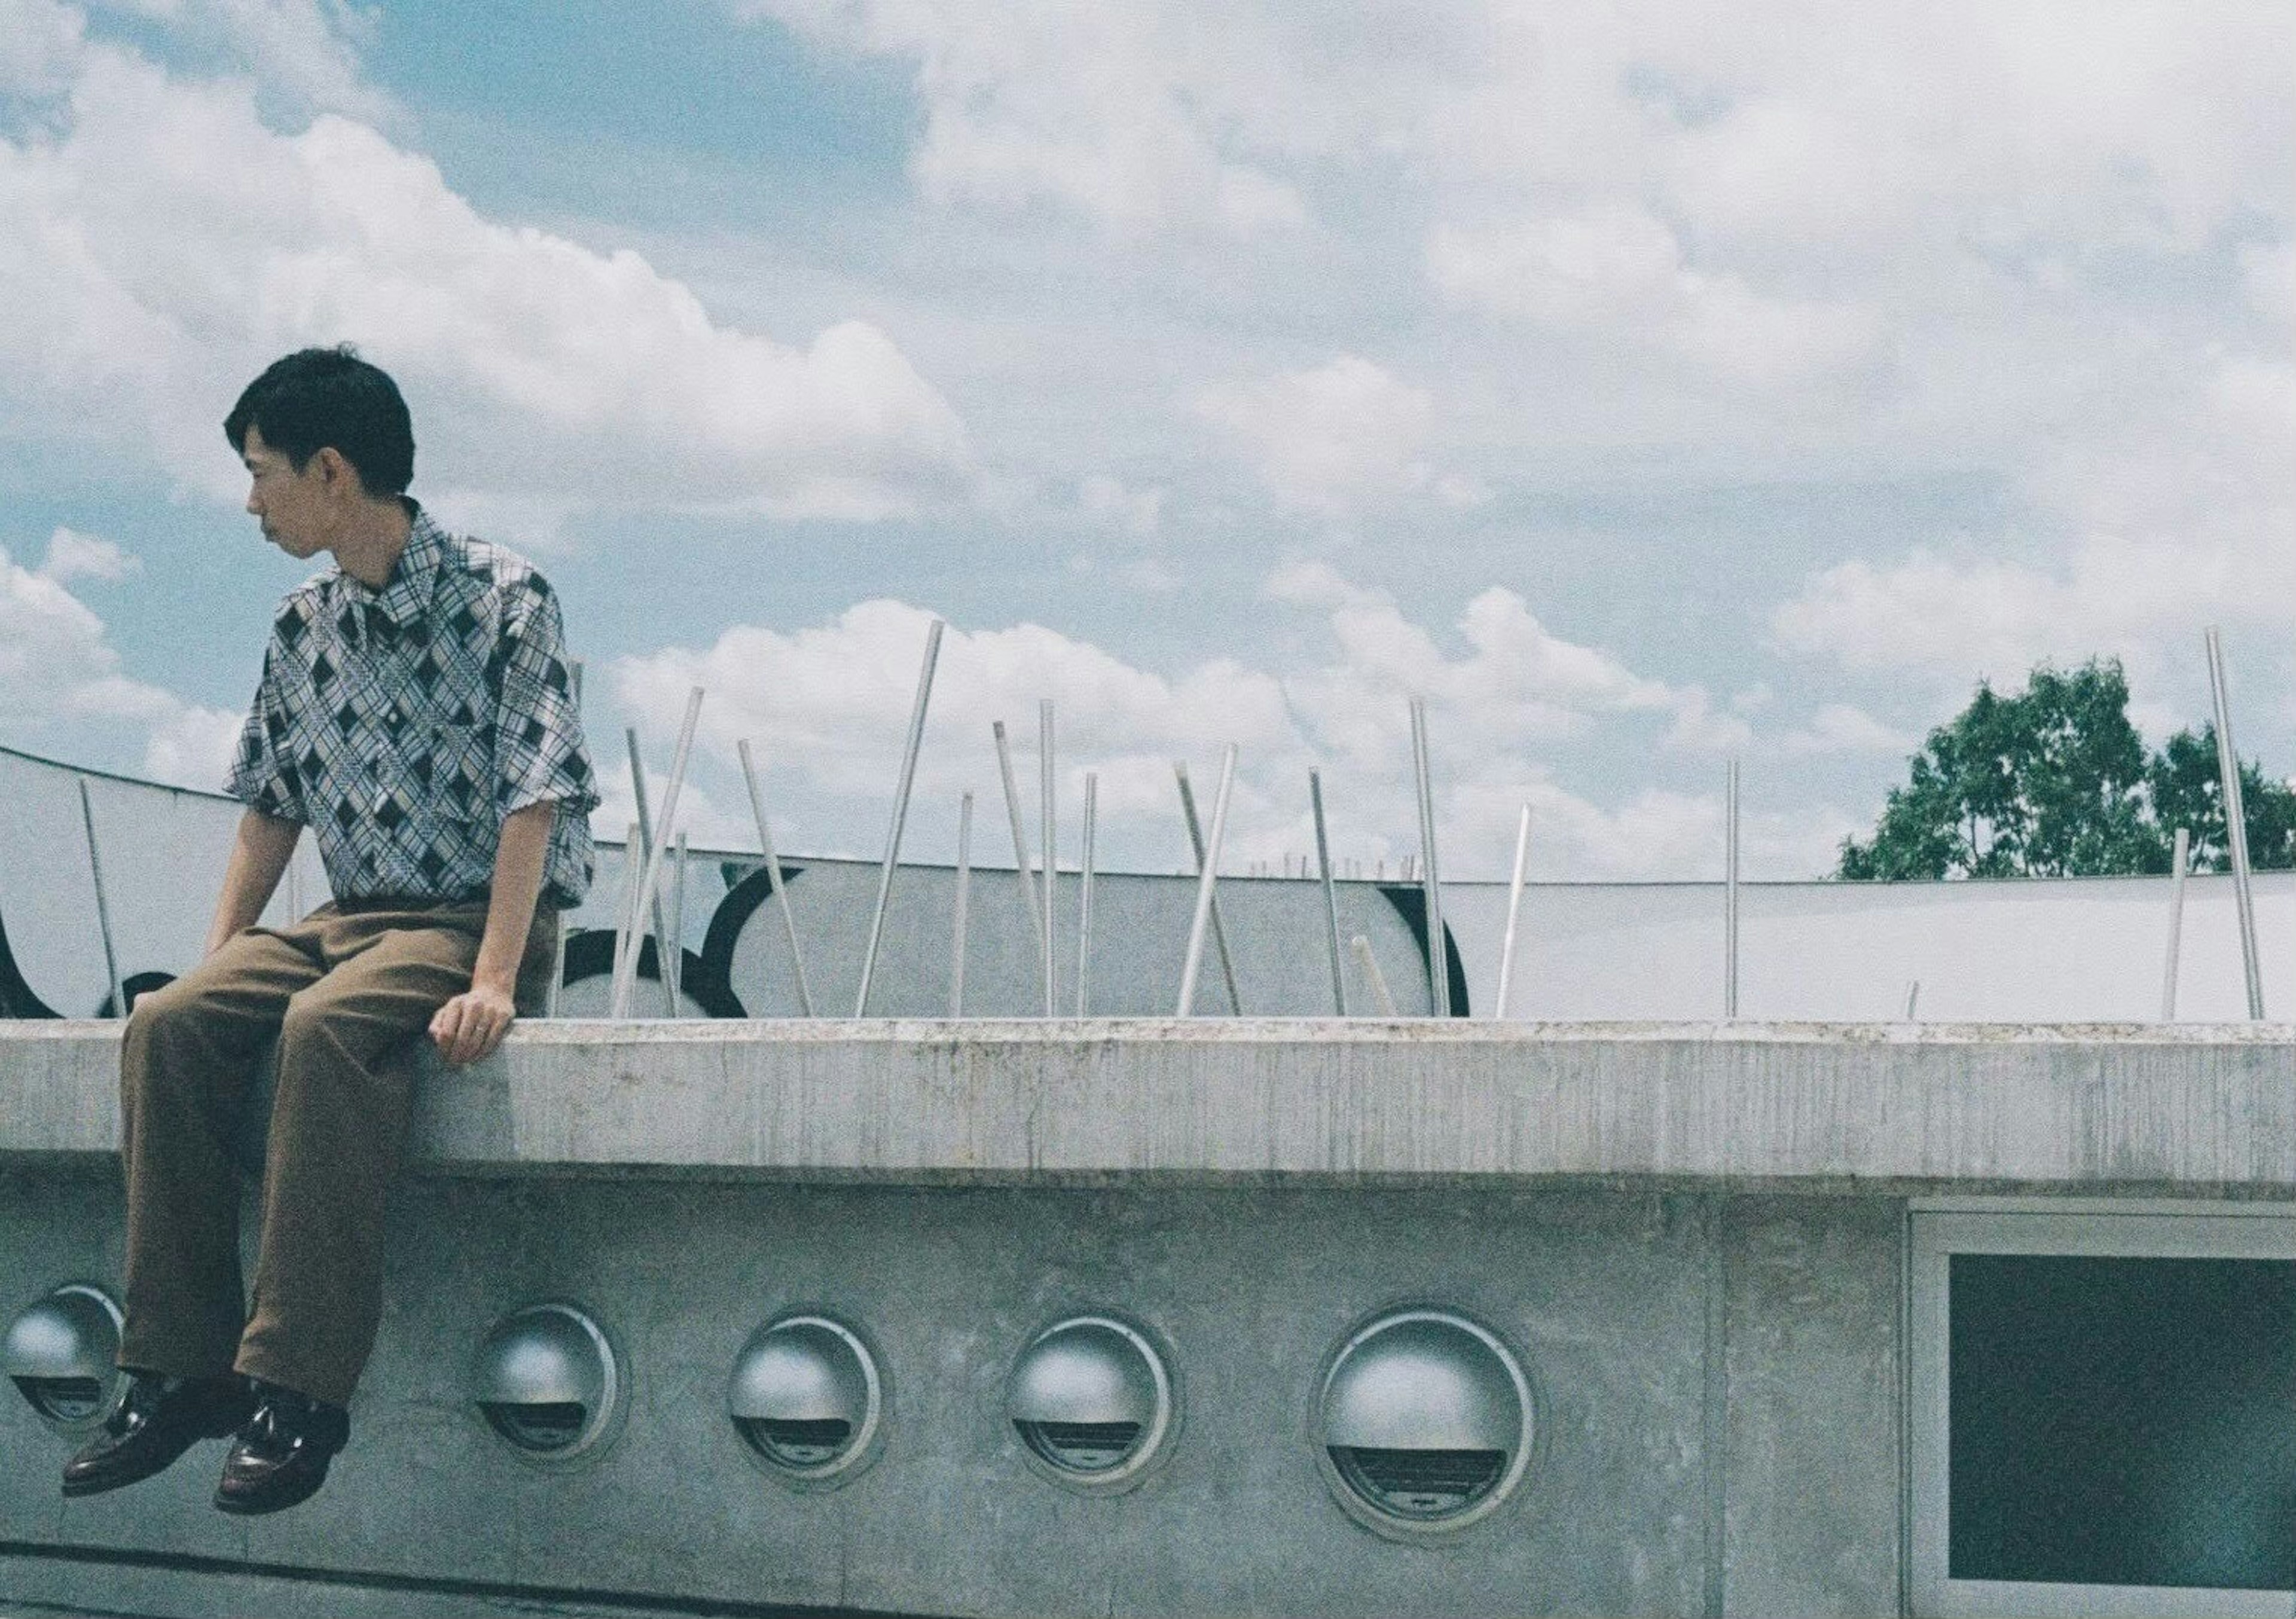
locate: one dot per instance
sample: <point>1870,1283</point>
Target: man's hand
<point>473,1024</point>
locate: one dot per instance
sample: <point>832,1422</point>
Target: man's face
<point>293,507</point>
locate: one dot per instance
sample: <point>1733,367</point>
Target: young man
<point>415,712</point>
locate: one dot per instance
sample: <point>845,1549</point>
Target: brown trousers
<point>345,991</point>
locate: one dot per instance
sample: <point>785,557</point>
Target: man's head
<point>325,436</point>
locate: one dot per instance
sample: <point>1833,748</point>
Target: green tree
<point>2055,782</point>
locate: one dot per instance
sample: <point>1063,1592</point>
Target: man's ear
<point>338,474</point>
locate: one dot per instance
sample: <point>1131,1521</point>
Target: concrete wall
<point>1693,1235</point>
<point>1717,1380</point>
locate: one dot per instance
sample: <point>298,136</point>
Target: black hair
<point>321,398</point>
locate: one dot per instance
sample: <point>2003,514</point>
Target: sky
<point>1644,385</point>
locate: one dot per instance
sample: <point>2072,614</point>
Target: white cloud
<point>825,708</point>
<point>303,52</point>
<point>73,555</point>
<point>2182,523</point>
<point>191,747</point>
<point>1138,512</point>
<point>39,42</point>
<point>167,244</point>
<point>58,670</point>
<point>1328,439</point>
<point>1100,108</point>
<point>1619,271</point>
<point>1844,727</point>
<point>2269,278</point>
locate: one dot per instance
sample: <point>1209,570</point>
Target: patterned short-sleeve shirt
<point>403,724</point>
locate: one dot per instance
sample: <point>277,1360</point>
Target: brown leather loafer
<point>162,1418</point>
<point>283,1452</point>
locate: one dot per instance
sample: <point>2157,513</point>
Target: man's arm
<point>258,855</point>
<point>473,1024</point>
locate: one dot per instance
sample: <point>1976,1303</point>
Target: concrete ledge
<point>2198,1110</point>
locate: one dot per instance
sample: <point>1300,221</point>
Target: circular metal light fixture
<point>61,1354</point>
<point>1425,1423</point>
<point>1093,1403</point>
<point>807,1400</point>
<point>549,1382</point>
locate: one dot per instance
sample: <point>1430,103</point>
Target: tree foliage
<point>2054,782</point>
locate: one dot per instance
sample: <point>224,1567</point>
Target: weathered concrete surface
<point>1605,1295</point>
<point>2196,1110</point>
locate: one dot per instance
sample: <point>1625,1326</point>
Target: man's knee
<point>161,1020</point>
<point>309,1024</point>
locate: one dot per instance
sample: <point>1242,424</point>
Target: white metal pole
<point>645,849</point>
<point>558,924</point>
<point>1219,922</point>
<point>900,815</point>
<point>964,892</point>
<point>1084,897</point>
<point>672,956</point>
<point>2235,825</point>
<point>1369,965</point>
<point>774,873</point>
<point>1730,891</point>
<point>2179,858</point>
<point>1205,880</point>
<point>1330,893</point>
<point>1439,955</point>
<point>103,906</point>
<point>1514,912</point>
<point>1051,845</point>
<point>626,913</point>
<point>649,887</point>
<point>1019,834</point>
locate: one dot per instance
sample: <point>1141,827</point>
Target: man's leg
<point>187,1063</point>
<point>338,1133</point>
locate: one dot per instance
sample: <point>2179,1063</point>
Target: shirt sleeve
<point>540,753</point>
<point>260,777</point>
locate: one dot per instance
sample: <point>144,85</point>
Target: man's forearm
<point>258,855</point>
<point>519,861</point>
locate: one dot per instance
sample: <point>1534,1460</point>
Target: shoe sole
<point>240,1507</point>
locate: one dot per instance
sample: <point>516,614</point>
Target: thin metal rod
<point>900,815</point>
<point>1205,880</point>
<point>673,955</point>
<point>294,882</point>
<point>558,921</point>
<point>2179,859</point>
<point>2235,825</point>
<point>1438,954</point>
<point>1730,891</point>
<point>1051,845</point>
<point>102,906</point>
<point>645,849</point>
<point>1219,922</point>
<point>1514,912</point>
<point>1369,965</point>
<point>964,893</point>
<point>625,911</point>
<point>649,887</point>
<point>1083,896</point>
<point>1913,1000</point>
<point>774,873</point>
<point>1019,833</point>
<point>1330,893</point>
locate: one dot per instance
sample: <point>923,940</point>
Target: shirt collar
<point>406,595</point>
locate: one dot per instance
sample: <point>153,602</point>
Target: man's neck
<point>370,545</point>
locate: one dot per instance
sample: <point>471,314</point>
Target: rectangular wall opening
<point>2103,1413</point>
